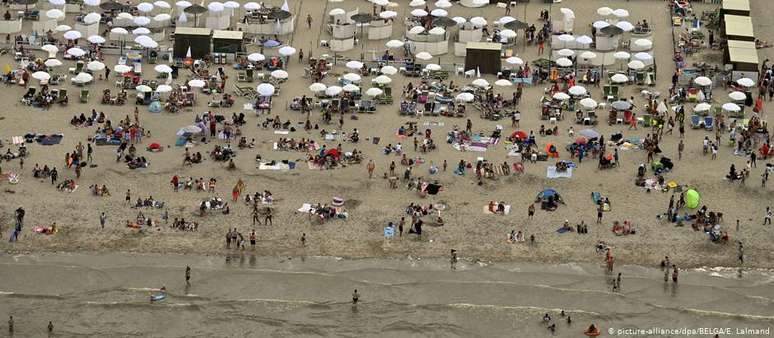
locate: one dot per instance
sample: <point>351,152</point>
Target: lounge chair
<point>77,69</point>
<point>696,122</point>
<point>84,98</point>
<point>709,122</point>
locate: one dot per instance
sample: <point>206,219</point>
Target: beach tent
<point>692,199</point>
<point>547,193</point>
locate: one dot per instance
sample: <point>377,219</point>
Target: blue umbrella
<point>271,43</point>
<point>546,193</point>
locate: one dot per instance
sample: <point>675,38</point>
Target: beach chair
<point>84,98</point>
<point>61,97</point>
<point>77,69</point>
<point>696,122</point>
<point>709,123</point>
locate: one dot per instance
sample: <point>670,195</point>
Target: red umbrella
<point>519,135</point>
<point>154,146</point>
<point>581,140</point>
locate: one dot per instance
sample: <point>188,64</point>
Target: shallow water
<point>247,296</point>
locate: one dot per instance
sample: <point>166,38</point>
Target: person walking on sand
<point>453,259</point>
<point>303,239</point>
<point>531,211</point>
<point>371,166</point>
<point>740,253</point>
<point>187,275</point>
<point>618,281</point>
<point>309,21</point>
<point>767,217</point>
<point>128,198</point>
<point>102,220</point>
<point>267,219</point>
<point>238,188</point>
<point>256,215</point>
<point>680,148</point>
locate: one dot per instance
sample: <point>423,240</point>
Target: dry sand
<point>468,230</point>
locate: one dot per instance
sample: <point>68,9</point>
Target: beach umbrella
<point>83,78</point>
<point>604,11</point>
<point>636,65</point>
<point>394,44</point>
<point>745,82</point>
<point>95,66</point>
<point>145,7</point>
<point>731,107</point>
<point>643,43</point>
<point>588,103</point>
<point>433,67</point>
<point>162,17</point>
<point>506,19</point>
<point>382,79</point>
<point>621,105</point>
<point>125,16</point>
<point>119,30</point>
<point>515,24</point>
<point>459,20</point>
<point>417,3</point>
<point>561,96</point>
<point>566,38</point>
<point>41,76</point>
<point>443,4</point>
<point>621,55</point>
<point>231,5</point>
<point>514,60</point>
<point>333,90</point>
<point>621,13</point>
<point>702,107</point>
<point>584,39</point>
<point>737,96</point>
<point>62,28</point>
<point>577,90</point>
<point>437,31</point>
<point>53,2</point>
<point>619,78</point>
<point>141,20</point>
<point>354,65</point>
<point>419,12</point>
<point>146,41</point>
<point>251,6</point>
<point>599,24</point>
<point>96,39</point>
<point>92,18</point>
<point>589,133</point>
<point>163,88</point>
<point>287,51</point>
<point>588,55</point>
<point>55,14</point>
<point>351,77</point>
<point>51,49</point>
<point>416,29</point>
<point>565,52</point>
<point>611,30</point>
<point>76,52</point>
<point>111,6</point>
<point>642,56</point>
<point>503,83</point>
<point>256,57</point>
<point>265,89</point>
<point>692,199</point>
<point>196,83</point>
<point>143,89</point>
<point>52,63</point>
<point>388,14</point>
<point>480,83</point>
<point>508,33</point>
<point>626,26</point>
<point>465,97</point>
<point>380,2</point>
<point>478,21</point>
<point>336,11</point>
<point>141,31</point>
<point>702,81</point>
<point>282,15</point>
<point>279,74</point>
<point>183,4</point>
<point>350,88</point>
<point>215,7</point>
<point>162,4</point>
<point>122,69</point>
<point>389,70</point>
<point>424,56</point>
<point>164,69</point>
<point>92,3</point>
<point>563,62</point>
<point>72,35</point>
<point>189,130</point>
<point>438,12</point>
<point>317,87</point>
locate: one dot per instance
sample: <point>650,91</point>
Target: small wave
<point>513,307</point>
<point>727,314</point>
<point>6,292</point>
<point>273,300</point>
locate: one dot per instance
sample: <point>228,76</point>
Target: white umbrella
<point>503,83</point>
<point>83,78</point>
<point>164,88</point>
<point>514,60</point>
<point>438,12</point>
<point>52,63</point>
<point>394,44</point>
<point>162,4</point>
<point>92,3</point>
<point>731,107</point>
<point>336,11</point>
<point>72,35</point>
<point>351,77</point>
<point>642,56</point>
<point>443,4</point>
<point>183,4</point>
<point>62,28</point>
<point>146,41</point>
<point>164,69</point>
<point>746,82</point>
<point>621,13</point>
<point>350,88</point>
<point>563,62</point>
<point>76,52</point>
<point>50,49</point>
<point>604,11</point>
<point>251,6</point>
<point>125,16</point>
<point>621,55</point>
<point>588,103</point>
<point>95,66</point>
<point>96,39</point>
<point>333,90</point>
<point>119,30</point>
<point>382,79</point>
<point>57,2</point>
<point>702,81</point>
<point>566,38</point>
<point>354,64</point>
<point>478,21</point>
<point>141,20</point>
<point>279,74</point>
<point>196,83</point>
<point>317,87</point>
<point>636,64</point>
<point>619,78</point>
<point>584,39</point>
<point>389,70</point>
<point>561,96</point>
<point>416,29</point>
<point>145,7</point>
<point>737,96</point>
<point>505,19</point>
<point>92,18</point>
<point>256,57</point>
<point>143,89</point>
<point>643,43</point>
<point>187,130</point>
<point>380,2</point>
<point>599,24</point>
<point>424,56</point>
<point>577,90</point>
<point>388,14</point>
<point>437,31</point>
<point>121,69</point>
<point>286,51</point>
<point>265,89</point>
<point>41,76</point>
<point>417,3</point>
<point>626,26</point>
<point>565,52</point>
<point>480,83</point>
<point>419,12</point>
<point>141,31</point>
<point>588,55</point>
<point>459,20</point>
<point>215,7</point>
<point>162,17</point>
<point>231,4</point>
<point>433,67</point>
<point>702,107</point>
<point>55,14</point>
<point>465,97</point>
<point>508,33</point>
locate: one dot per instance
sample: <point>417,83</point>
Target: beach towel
<point>552,173</point>
<point>49,140</point>
<point>596,196</point>
<point>376,140</point>
<point>284,165</point>
<point>17,140</point>
<point>389,232</point>
<point>432,124</point>
<point>487,212</point>
<point>305,208</point>
<point>281,132</point>
<point>314,166</point>
<point>562,230</point>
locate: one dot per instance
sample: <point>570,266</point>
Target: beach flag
<point>188,54</point>
<point>285,6</point>
<point>478,72</point>
<point>182,18</point>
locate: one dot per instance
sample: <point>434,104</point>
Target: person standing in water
<point>50,327</point>
<point>10,325</point>
<point>674,273</point>
<point>355,297</point>
<point>453,259</point>
<point>187,275</point>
